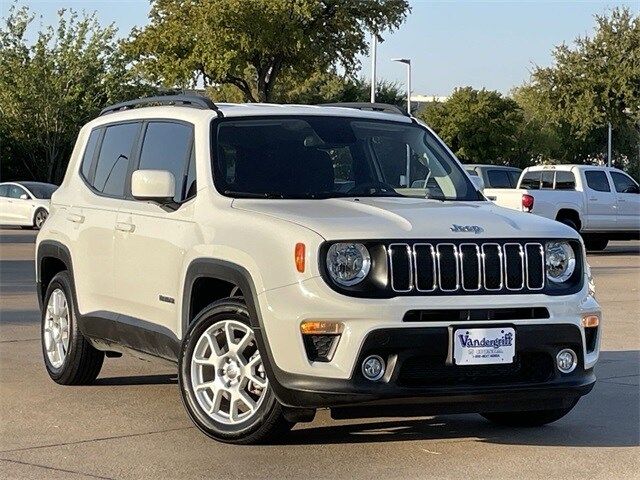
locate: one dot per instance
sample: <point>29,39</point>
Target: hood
<point>405,217</point>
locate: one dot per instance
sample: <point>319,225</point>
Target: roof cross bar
<point>373,107</point>
<point>195,101</point>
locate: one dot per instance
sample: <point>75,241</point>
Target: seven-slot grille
<point>489,267</point>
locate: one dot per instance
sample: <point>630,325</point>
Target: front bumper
<point>423,378</point>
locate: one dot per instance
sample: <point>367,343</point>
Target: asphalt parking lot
<point>131,423</point>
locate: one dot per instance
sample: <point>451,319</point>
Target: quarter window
<point>113,161</point>
<point>565,180</point>
<point>89,151</point>
<point>597,180</point>
<point>623,183</point>
<point>167,146</point>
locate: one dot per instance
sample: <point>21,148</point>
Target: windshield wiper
<point>240,194</point>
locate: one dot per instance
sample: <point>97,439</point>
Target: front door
<point>602,204</point>
<point>628,201</point>
<point>151,241</point>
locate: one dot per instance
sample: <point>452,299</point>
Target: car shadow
<point>170,379</point>
<point>608,417</point>
<point>617,250</point>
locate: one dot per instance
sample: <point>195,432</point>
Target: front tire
<point>39,218</point>
<point>69,358</point>
<point>222,380</point>
<point>596,244</point>
<point>536,418</point>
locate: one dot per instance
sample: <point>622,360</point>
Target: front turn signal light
<point>590,321</point>
<point>320,327</point>
<point>299,256</point>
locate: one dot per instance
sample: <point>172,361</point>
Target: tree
<point>49,88</point>
<point>251,44</point>
<point>594,83</point>
<point>324,87</point>
<point>480,126</point>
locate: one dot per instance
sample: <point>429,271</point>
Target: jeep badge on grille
<point>466,228</point>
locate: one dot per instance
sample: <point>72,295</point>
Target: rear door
<point>602,203</point>
<point>151,240</point>
<point>628,196</point>
<point>104,169</point>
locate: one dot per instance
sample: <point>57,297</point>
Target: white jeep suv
<point>289,258</point>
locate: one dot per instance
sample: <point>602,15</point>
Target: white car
<point>25,204</point>
<point>601,203</point>
<point>275,254</point>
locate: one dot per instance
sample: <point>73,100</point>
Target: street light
<point>407,62</point>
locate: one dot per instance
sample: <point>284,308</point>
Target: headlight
<point>348,263</point>
<point>560,261</point>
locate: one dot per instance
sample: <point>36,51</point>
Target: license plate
<point>481,346</point>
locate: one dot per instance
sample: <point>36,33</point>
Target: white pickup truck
<point>601,203</point>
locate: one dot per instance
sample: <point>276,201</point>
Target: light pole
<point>407,62</point>
<point>374,48</point>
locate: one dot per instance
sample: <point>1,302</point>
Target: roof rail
<point>195,101</point>
<point>373,107</point>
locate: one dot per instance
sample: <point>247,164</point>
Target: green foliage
<point>49,88</point>
<point>331,88</point>
<point>480,126</point>
<point>596,82</point>
<point>250,44</point>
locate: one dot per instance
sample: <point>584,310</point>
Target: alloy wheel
<point>227,373</point>
<point>56,328</point>
<point>41,216</point>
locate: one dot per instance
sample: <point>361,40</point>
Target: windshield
<point>41,190</point>
<point>328,157</point>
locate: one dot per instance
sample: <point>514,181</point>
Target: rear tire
<point>70,359</point>
<point>596,244</point>
<point>535,418</point>
<point>224,388</point>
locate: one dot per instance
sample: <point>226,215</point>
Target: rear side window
<point>167,146</point>
<point>531,180</point>
<point>113,160</point>
<point>89,151</point>
<point>623,183</point>
<point>565,180</point>
<point>597,180</point>
<point>4,190</point>
<point>498,179</point>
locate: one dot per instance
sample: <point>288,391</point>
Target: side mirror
<point>156,185</point>
<point>24,196</point>
<point>477,182</point>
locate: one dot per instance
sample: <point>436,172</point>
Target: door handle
<point>593,199</point>
<point>75,218</point>
<point>125,227</point>
<point>621,200</point>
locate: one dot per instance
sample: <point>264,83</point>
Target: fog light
<point>589,321</point>
<point>566,360</point>
<point>373,367</point>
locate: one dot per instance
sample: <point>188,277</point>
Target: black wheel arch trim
<point>59,251</point>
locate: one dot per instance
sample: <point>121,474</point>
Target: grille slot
<point>466,267</point>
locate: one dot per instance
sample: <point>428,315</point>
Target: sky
<point>451,44</point>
